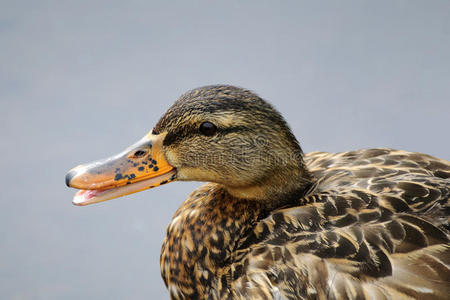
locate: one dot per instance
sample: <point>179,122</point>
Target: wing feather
<point>375,227</point>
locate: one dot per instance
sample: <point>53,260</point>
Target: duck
<point>273,222</point>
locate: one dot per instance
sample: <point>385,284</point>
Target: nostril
<point>139,153</point>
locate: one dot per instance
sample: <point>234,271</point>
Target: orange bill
<point>139,167</point>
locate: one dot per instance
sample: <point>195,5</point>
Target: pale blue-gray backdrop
<point>80,80</point>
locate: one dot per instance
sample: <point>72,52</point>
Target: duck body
<point>373,226</point>
<point>275,223</point>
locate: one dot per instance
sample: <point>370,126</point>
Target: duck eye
<point>208,128</point>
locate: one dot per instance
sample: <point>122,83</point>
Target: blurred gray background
<point>80,80</point>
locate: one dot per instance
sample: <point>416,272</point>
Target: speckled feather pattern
<point>375,225</point>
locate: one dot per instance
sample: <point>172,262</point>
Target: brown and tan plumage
<point>275,223</point>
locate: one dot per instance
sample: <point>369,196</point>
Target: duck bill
<point>139,167</point>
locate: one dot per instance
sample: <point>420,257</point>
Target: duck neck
<point>214,223</point>
<point>202,238</point>
<point>280,189</point>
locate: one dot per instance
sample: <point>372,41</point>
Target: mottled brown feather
<point>374,226</point>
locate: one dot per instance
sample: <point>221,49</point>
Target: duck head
<point>221,134</point>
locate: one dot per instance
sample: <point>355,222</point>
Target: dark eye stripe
<point>233,129</point>
<point>185,132</point>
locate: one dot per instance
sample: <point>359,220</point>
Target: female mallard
<point>275,223</point>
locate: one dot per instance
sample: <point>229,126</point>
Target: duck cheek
<point>197,174</point>
<point>190,174</point>
<point>172,157</point>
